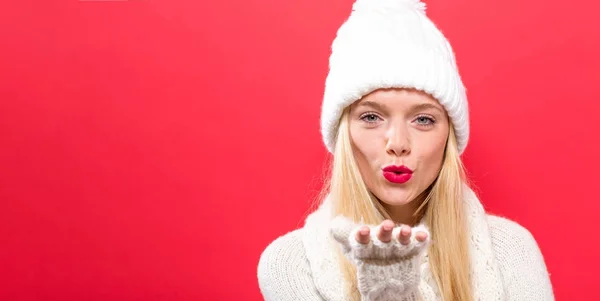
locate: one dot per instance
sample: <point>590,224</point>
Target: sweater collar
<point>322,256</point>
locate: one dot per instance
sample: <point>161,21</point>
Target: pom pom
<point>389,6</point>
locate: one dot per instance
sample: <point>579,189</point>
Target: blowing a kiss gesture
<point>387,257</point>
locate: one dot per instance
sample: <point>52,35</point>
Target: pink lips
<point>397,174</point>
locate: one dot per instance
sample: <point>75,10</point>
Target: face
<point>392,129</point>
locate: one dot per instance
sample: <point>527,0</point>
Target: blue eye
<point>425,120</point>
<point>370,117</point>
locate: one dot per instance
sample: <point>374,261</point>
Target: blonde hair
<point>448,254</point>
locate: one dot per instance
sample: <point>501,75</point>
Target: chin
<point>394,196</point>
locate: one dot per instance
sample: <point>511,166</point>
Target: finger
<point>421,236</point>
<point>385,231</point>
<point>404,236</point>
<point>363,235</point>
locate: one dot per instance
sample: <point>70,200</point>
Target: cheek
<point>366,150</point>
<point>433,153</point>
<point>365,142</point>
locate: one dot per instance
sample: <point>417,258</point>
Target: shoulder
<point>284,248</point>
<point>507,233</point>
<point>513,243</point>
<point>520,259</point>
<point>283,269</point>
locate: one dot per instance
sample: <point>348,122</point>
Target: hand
<point>387,257</point>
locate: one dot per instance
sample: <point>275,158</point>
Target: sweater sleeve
<point>521,261</point>
<point>284,272</point>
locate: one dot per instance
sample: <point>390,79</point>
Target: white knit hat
<point>391,44</point>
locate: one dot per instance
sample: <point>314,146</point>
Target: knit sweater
<point>506,264</point>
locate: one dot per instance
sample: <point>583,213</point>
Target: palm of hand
<point>387,258</point>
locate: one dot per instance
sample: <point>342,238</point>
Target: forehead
<point>399,98</point>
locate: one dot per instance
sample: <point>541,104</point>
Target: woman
<point>398,220</point>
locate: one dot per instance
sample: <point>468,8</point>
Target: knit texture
<point>391,44</point>
<point>386,270</point>
<point>506,264</point>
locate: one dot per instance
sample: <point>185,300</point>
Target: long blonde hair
<point>448,254</point>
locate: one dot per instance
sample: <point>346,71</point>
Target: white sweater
<point>506,262</point>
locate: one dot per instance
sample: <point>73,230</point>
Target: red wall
<point>150,150</point>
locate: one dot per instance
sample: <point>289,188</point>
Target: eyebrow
<point>421,106</point>
<point>372,104</point>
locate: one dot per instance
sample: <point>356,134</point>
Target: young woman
<point>398,220</point>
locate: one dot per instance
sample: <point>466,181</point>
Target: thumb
<point>340,229</point>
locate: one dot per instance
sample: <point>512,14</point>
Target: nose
<point>398,141</point>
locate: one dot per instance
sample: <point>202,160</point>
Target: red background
<point>150,150</point>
